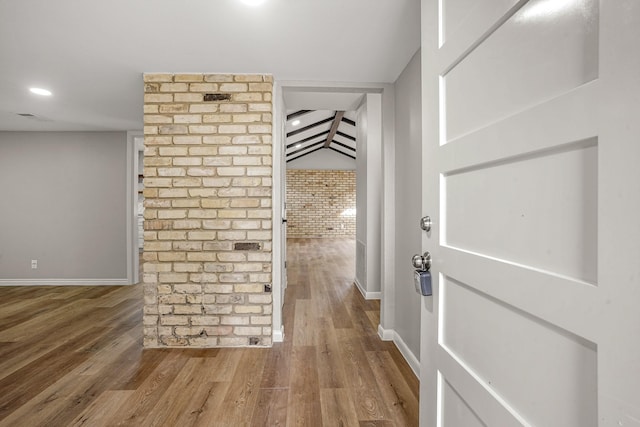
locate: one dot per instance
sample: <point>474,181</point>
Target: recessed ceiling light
<point>40,91</point>
<point>295,123</point>
<point>253,2</point>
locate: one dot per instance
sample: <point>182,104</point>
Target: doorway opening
<point>320,200</point>
<point>140,203</point>
<point>135,208</point>
<point>338,106</point>
<point>320,158</point>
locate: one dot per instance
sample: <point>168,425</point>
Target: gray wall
<point>408,182</point>
<point>63,202</point>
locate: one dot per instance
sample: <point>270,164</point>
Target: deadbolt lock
<point>425,223</point>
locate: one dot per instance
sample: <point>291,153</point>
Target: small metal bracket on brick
<point>212,97</point>
<point>267,287</point>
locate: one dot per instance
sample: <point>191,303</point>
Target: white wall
<point>63,202</point>
<point>369,196</point>
<point>361,196</point>
<point>279,274</point>
<point>408,190</point>
<point>323,160</point>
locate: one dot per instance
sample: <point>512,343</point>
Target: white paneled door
<point>531,114</point>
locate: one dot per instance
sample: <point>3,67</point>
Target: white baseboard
<point>360,288</point>
<point>63,282</point>
<point>373,295</point>
<point>411,358</point>
<point>278,335</point>
<point>385,334</point>
<point>391,335</point>
<point>365,294</point>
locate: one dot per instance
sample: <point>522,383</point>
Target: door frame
<point>322,91</point>
<point>135,142</point>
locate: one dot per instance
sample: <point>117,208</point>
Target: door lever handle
<point>422,262</point>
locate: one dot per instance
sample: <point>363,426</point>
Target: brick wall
<point>207,187</point>
<point>317,201</point>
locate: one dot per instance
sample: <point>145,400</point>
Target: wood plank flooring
<point>72,356</point>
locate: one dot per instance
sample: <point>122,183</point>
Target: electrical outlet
<point>34,263</point>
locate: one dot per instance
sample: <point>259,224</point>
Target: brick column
<point>207,240</point>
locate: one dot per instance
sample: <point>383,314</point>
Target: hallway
<point>73,356</point>
<point>336,353</point>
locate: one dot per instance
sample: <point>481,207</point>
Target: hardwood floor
<point>72,356</point>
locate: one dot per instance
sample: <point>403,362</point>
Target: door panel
<point>455,410</point>
<point>561,301</point>
<point>539,353</point>
<point>488,406</point>
<point>568,188</point>
<point>525,61</point>
<point>463,20</point>
<point>528,132</point>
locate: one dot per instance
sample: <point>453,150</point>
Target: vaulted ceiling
<point>92,54</point>
<point>309,131</point>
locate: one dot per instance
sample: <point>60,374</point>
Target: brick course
<point>317,201</point>
<point>207,240</point>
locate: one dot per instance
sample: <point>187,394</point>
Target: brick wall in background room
<point>321,203</point>
<point>208,208</point>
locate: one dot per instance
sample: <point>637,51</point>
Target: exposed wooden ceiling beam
<point>315,144</point>
<point>353,138</point>
<point>293,144</point>
<point>349,121</point>
<point>341,152</point>
<point>305,154</point>
<point>318,123</point>
<point>298,113</point>
<point>344,145</point>
<point>334,128</point>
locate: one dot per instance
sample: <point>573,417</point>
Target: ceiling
<point>91,54</point>
<point>309,131</point>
